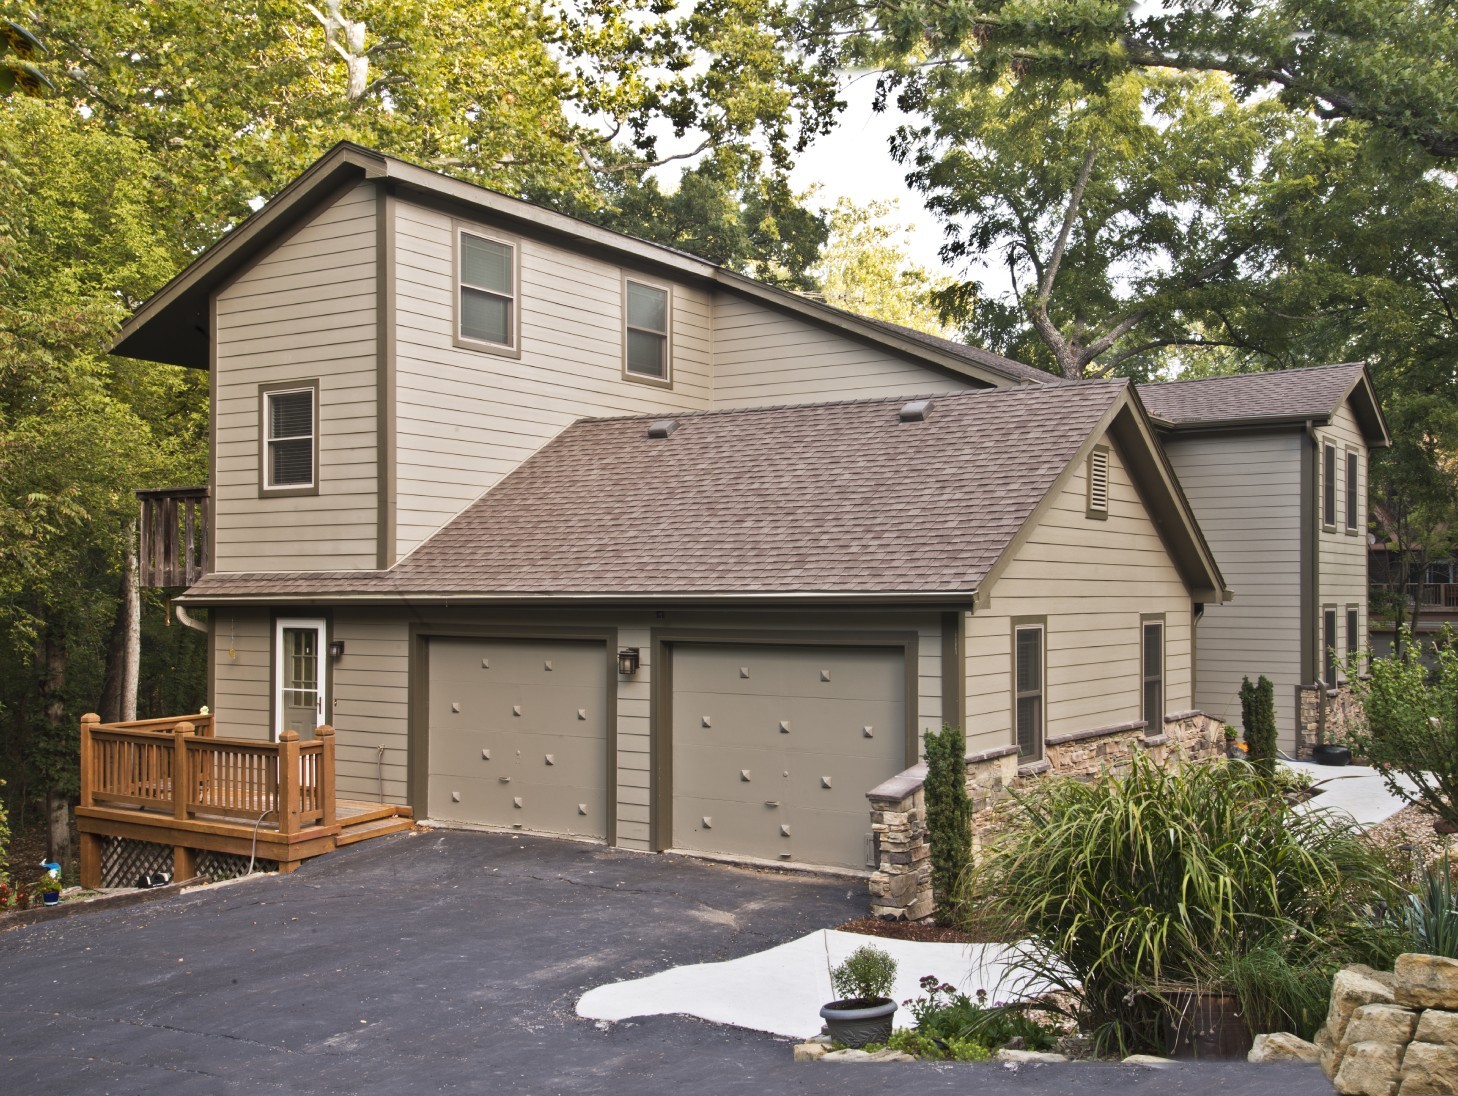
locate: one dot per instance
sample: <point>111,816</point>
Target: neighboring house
<point>1275,466</point>
<point>573,533</point>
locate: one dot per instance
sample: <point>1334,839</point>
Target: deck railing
<point>179,771</point>
<point>173,530</point>
<point>1430,595</point>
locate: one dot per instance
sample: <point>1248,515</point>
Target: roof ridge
<point>654,416</point>
<point>1261,373</point>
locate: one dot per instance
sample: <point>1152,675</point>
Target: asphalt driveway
<point>451,962</point>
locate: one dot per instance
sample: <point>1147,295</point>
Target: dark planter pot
<point>1205,1025</point>
<point>1440,826</point>
<point>856,1023</point>
<point>51,898</point>
<point>1331,754</point>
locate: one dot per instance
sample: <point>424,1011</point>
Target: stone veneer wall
<point>1342,711</point>
<point>901,883</point>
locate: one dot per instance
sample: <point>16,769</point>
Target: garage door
<point>774,748</point>
<point>518,734</point>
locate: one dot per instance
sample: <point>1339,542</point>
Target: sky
<point>854,161</point>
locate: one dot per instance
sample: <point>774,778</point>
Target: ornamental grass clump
<point>1200,876</point>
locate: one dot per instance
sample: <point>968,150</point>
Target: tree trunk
<point>53,714</point>
<point>132,609</point>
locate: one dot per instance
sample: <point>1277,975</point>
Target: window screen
<point>1328,486</point>
<point>1329,646</point>
<point>1028,689</point>
<point>488,290</point>
<point>1153,696</point>
<point>290,417</point>
<point>1354,631</point>
<point>647,331</point>
<point>1352,515</point>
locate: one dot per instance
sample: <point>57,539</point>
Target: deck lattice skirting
<point>901,883</point>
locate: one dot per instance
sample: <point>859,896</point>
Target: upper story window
<point>290,437</point>
<point>486,293</point>
<point>1329,485</point>
<point>1353,517</point>
<point>646,349</point>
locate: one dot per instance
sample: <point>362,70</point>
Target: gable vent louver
<point>661,428</point>
<point>915,411</point>
<point>1098,481</point>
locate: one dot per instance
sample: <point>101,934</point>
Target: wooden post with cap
<point>90,842</point>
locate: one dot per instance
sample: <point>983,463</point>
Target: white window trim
<point>322,627</point>
<point>505,350</point>
<point>665,381</point>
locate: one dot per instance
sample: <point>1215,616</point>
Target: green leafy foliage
<point>1408,729</point>
<point>1431,915</point>
<point>867,973</point>
<point>1258,715</point>
<point>948,817</point>
<point>1132,885</point>
<point>953,1049</point>
<point>864,269</point>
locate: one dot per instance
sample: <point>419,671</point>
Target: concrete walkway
<point>1352,789</point>
<point>452,963</point>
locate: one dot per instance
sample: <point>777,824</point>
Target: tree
<point>1409,725</point>
<point>1258,715</point>
<point>948,818</point>
<point>864,269</point>
<point>570,108</point>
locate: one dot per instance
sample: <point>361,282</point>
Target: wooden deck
<point>171,782</point>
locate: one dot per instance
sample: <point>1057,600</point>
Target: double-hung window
<point>1354,633</point>
<point>290,438</point>
<point>486,296</point>
<point>1329,646</point>
<point>646,345</point>
<point>1152,675</point>
<point>1028,690</point>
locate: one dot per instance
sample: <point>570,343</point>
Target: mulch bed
<point>921,931</point>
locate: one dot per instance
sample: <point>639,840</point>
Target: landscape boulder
<point>1282,1046</point>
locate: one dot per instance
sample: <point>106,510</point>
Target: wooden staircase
<point>362,821</point>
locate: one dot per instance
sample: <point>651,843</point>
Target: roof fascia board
<point>1368,411</point>
<point>278,214</point>
<point>952,599</point>
<point>1159,487</point>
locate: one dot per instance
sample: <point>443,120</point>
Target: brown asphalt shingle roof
<point>1283,394</point>
<point>822,498</point>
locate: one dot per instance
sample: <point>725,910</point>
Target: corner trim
<point>385,426</point>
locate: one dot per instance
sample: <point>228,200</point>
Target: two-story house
<point>571,533</point>
<point>1275,466</point>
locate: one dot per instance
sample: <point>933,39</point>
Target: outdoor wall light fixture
<point>336,648</point>
<point>628,661</point>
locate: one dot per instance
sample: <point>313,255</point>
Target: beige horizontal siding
<point>305,312</point>
<point>763,356</point>
<point>465,418</point>
<point>242,650</point>
<point>1342,574</point>
<point>1093,580</point>
<point>1246,493</point>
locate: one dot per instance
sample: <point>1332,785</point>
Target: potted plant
<point>863,1010</point>
<point>49,884</point>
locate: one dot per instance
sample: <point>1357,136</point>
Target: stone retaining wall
<point>1342,711</point>
<point>1393,1034</point>
<point>901,883</point>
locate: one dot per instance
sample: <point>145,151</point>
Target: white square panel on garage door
<point>518,734</point>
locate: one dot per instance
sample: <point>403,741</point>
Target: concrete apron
<point>781,990</point>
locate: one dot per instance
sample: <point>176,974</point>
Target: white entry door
<point>299,702</point>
